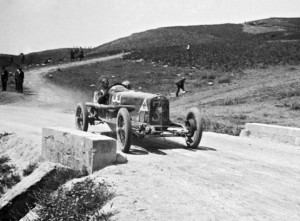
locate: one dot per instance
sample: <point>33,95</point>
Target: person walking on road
<point>180,85</point>
<point>4,78</point>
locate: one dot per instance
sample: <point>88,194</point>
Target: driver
<point>127,84</point>
<point>103,92</point>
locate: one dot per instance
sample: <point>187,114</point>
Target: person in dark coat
<point>180,85</point>
<point>19,77</point>
<point>72,54</point>
<point>22,58</point>
<point>11,60</point>
<point>16,80</point>
<point>4,78</point>
<point>81,54</point>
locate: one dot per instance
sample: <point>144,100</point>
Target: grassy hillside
<point>265,29</point>
<point>181,35</point>
<point>223,56</point>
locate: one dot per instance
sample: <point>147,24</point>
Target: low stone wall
<point>77,149</point>
<point>289,135</point>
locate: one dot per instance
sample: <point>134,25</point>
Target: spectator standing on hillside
<point>11,60</point>
<point>22,58</point>
<point>4,78</point>
<point>81,54</point>
<point>72,55</point>
<point>19,78</point>
<point>189,54</point>
<point>180,85</point>
<point>188,48</point>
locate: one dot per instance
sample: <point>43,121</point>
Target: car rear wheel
<point>195,127</point>
<point>81,117</point>
<point>124,129</point>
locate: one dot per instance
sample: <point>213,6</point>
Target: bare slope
<point>180,35</point>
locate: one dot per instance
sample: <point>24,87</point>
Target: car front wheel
<point>81,117</point>
<point>195,127</point>
<point>124,130</point>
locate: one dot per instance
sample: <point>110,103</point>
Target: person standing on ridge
<point>22,58</point>
<point>4,78</point>
<point>72,55</point>
<point>11,60</point>
<point>81,54</point>
<point>188,48</point>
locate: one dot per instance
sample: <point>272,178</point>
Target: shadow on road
<point>144,146</point>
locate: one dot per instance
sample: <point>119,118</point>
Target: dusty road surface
<point>225,178</point>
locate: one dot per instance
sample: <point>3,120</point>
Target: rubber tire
<point>123,115</point>
<point>194,115</point>
<point>81,108</point>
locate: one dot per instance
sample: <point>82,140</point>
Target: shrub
<point>29,169</point>
<point>82,202</point>
<point>210,76</point>
<point>295,106</point>
<point>288,93</point>
<point>8,176</point>
<point>219,127</point>
<point>225,79</point>
<point>4,159</point>
<point>225,129</point>
<point>233,101</point>
<point>4,134</point>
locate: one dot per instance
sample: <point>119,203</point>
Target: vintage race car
<point>133,113</point>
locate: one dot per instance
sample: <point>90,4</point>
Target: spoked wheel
<point>195,127</point>
<point>124,129</point>
<point>81,117</point>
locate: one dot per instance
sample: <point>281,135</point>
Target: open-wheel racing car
<point>130,112</point>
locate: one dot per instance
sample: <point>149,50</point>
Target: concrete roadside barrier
<point>289,135</point>
<point>77,149</point>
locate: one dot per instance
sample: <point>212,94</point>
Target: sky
<point>37,25</point>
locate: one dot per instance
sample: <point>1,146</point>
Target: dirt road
<point>226,178</point>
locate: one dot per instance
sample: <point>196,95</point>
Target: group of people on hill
<point>19,74</point>
<point>79,52</point>
<point>11,59</point>
<point>19,79</point>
